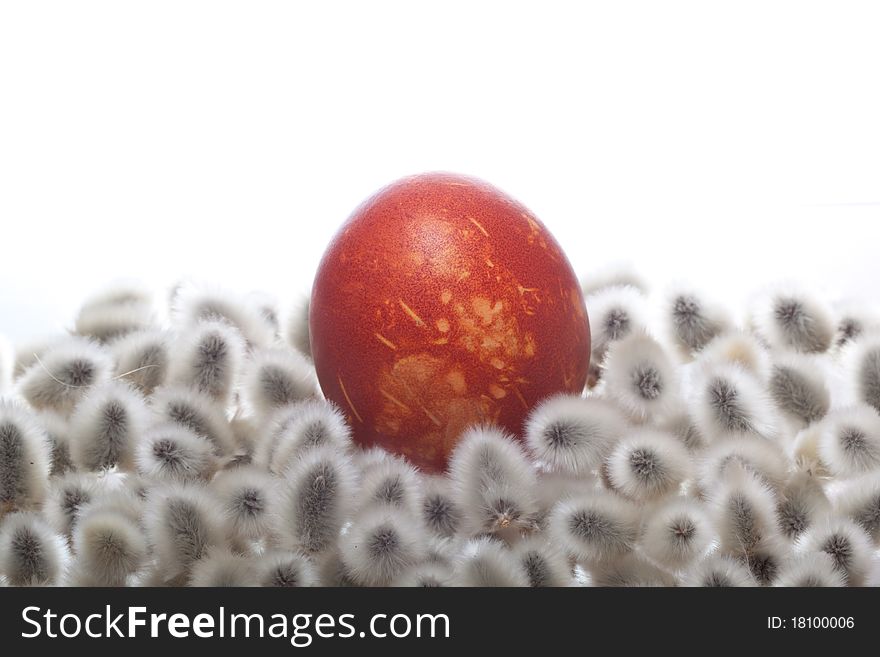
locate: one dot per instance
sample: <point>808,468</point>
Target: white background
<point>729,143</point>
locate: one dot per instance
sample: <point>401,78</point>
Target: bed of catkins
<point>182,440</point>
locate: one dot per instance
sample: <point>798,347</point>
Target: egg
<point>441,303</point>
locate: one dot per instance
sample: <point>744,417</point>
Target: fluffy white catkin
<point>143,359</point>
<point>570,434</point>
<point>394,483</point>
<point>67,495</point>
<point>731,402</point>
<point>595,527</point>
<point>692,320</point>
<point>379,545</point>
<point>107,426</point>
<point>849,444</point>
<point>224,568</point>
<point>183,523</point>
<point>245,495</point>
<point>64,373</point>
<point>544,563</point>
<point>316,498</point>
<point>116,312</point>
<point>719,571</point>
<point>797,387</point>
<point>197,412</point>
<point>488,562</point>
<point>862,360</point>
<point>789,317</point>
<point>31,552</point>
<point>294,429</point>
<point>208,358</point>
<point>277,377</point>
<point>677,533</point>
<point>848,545</point>
<point>170,452</point>
<point>647,465</point>
<point>439,510</point>
<point>495,480</point>
<point>286,569</point>
<point>640,377</point>
<point>24,458</point>
<point>109,546</point>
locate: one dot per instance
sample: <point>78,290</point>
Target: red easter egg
<point>442,303</point>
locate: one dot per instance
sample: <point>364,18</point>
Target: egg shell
<point>441,303</point>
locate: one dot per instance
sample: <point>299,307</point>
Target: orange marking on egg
<point>409,311</point>
<point>522,399</point>
<point>348,399</point>
<point>479,226</point>
<point>431,416</point>
<point>394,400</point>
<point>497,391</point>
<point>456,380</point>
<point>385,341</point>
<point>533,224</point>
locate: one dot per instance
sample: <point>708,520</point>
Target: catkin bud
<point>316,499</point>
<point>63,374</point>
<point>196,412</point>
<point>848,544</point>
<point>276,378</point>
<point>487,562</point>
<point>143,359</point>
<point>379,545</point>
<point>183,523</point>
<point>647,465</point>
<point>678,533</point>
<point>170,452</point>
<point>791,318</point>
<point>106,427</point>
<point>544,564</point>
<point>729,402</point>
<point>572,435</point>
<point>640,377</point>
<point>245,495</point>
<point>295,429</point>
<point>287,570</point>
<point>814,569</point>
<point>494,481</point>
<point>222,568</point>
<point>692,320</point>
<point>31,553</point>
<point>110,547</point>
<point>208,358</point>
<point>849,443</point>
<point>24,459</point>
<point>719,571</point>
<point>797,387</point>
<point>595,527</point>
